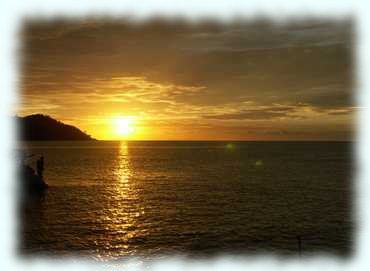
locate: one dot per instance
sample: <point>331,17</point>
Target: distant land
<point>43,127</point>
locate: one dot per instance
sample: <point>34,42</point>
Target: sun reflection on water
<point>123,171</point>
<point>122,218</point>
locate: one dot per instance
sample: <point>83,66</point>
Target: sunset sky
<point>169,80</point>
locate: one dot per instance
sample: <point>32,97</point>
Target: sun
<point>124,126</point>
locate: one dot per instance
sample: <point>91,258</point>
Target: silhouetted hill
<point>42,127</point>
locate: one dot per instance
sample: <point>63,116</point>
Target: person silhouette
<point>40,166</point>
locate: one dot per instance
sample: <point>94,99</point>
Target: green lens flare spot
<point>259,163</point>
<point>230,146</point>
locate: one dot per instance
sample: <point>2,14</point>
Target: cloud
<point>301,56</point>
<point>262,35</point>
<point>207,73</point>
<point>260,113</point>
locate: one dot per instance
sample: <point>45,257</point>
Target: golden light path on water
<point>124,209</point>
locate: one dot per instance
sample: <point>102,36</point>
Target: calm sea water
<point>108,200</point>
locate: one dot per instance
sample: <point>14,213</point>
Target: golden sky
<point>171,80</point>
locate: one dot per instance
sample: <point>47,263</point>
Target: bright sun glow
<point>124,126</point>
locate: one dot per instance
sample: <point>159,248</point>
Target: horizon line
<point>194,140</point>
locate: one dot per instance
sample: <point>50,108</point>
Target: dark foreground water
<point>113,199</point>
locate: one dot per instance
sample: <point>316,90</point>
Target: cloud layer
<point>243,80</point>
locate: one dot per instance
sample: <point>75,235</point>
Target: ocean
<point>109,199</point>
